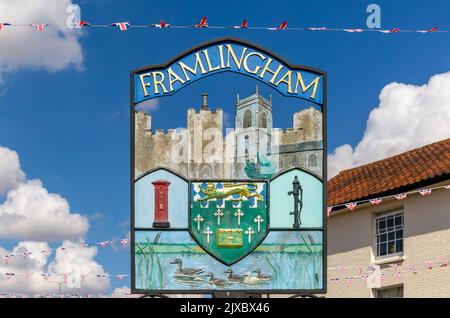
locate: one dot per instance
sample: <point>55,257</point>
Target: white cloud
<point>407,117</point>
<point>30,212</point>
<point>10,172</point>
<point>73,261</point>
<point>148,105</point>
<point>53,49</point>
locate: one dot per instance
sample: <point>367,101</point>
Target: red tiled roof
<point>402,172</point>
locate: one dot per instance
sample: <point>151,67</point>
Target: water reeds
<point>315,257</point>
<point>150,268</point>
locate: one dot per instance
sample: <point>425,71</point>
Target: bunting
<point>376,201</point>
<point>6,259</point>
<point>124,26</point>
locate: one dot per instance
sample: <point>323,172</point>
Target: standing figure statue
<point>297,192</point>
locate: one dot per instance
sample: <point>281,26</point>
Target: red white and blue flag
<point>282,26</point>
<point>2,24</point>
<point>244,25</point>
<point>432,30</point>
<point>160,25</point>
<point>351,206</point>
<point>401,196</point>
<point>354,30</point>
<point>39,27</point>
<point>393,30</point>
<point>104,243</point>
<point>425,192</point>
<point>203,23</point>
<point>83,24</point>
<point>318,29</point>
<point>122,25</point>
<point>375,201</point>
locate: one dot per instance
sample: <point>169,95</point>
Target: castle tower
<point>205,128</point>
<point>253,123</point>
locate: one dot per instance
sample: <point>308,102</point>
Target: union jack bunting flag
<point>428,31</point>
<point>83,23</point>
<point>45,276</point>
<point>447,186</point>
<point>122,25</point>
<point>39,27</point>
<point>244,25</point>
<point>351,205</point>
<point>425,192</point>
<point>203,23</point>
<point>375,201</point>
<point>2,24</point>
<point>282,26</point>
<point>353,30</point>
<point>394,30</point>
<point>104,243</point>
<point>124,242</point>
<point>318,29</point>
<point>401,196</point>
<point>10,275</point>
<point>160,25</point>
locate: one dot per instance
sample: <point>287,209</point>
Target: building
<point>408,239</point>
<point>202,150</point>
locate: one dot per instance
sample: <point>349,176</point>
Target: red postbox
<point>161,204</point>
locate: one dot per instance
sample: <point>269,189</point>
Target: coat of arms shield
<point>228,219</point>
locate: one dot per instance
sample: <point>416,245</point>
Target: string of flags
<point>21,295</point>
<point>6,259</point>
<point>365,273</point>
<point>203,24</point>
<point>396,271</point>
<point>376,201</point>
<point>65,276</point>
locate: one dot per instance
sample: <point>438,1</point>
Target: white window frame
<point>374,235</point>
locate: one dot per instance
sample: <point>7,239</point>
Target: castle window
<point>264,120</point>
<point>247,119</point>
<point>312,161</point>
<point>246,145</point>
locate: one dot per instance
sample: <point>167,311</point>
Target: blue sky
<point>71,127</point>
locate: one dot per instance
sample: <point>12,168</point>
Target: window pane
<point>399,234</point>
<point>383,249</point>
<point>382,224</point>
<point>399,244</point>
<point>382,238</point>
<point>391,236</point>
<point>392,248</point>
<point>398,220</point>
<point>390,223</point>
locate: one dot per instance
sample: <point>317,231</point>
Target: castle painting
<point>254,149</point>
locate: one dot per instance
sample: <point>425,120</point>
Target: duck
<point>251,280</point>
<point>185,271</point>
<point>262,277</point>
<point>233,278</point>
<point>215,281</point>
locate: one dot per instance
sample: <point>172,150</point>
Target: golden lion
<point>241,189</point>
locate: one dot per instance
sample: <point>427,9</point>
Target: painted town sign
<point>256,223</point>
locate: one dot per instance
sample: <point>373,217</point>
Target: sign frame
<point>133,229</point>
